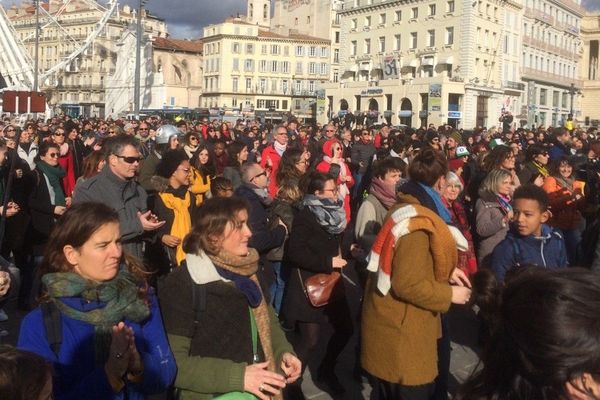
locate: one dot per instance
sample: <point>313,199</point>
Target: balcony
<point>513,85</point>
<point>539,15</point>
<point>534,74</point>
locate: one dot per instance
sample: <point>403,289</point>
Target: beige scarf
<point>247,266</point>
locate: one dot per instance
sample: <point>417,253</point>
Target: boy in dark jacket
<point>530,241</point>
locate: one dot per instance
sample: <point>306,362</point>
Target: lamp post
<point>138,46</point>
<point>572,93</point>
<point>37,45</point>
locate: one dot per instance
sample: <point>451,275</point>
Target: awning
<point>364,67</point>
<point>410,63</point>
<point>446,60</point>
<point>427,61</point>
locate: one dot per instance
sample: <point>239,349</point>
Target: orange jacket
<point>564,206</point>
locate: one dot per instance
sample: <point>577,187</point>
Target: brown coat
<point>400,330</point>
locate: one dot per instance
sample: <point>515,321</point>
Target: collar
<point>201,269</point>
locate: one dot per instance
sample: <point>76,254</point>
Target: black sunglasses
<point>129,160</point>
<point>259,175</point>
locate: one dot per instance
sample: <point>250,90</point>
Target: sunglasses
<point>111,131</point>
<point>10,130</point>
<point>52,155</point>
<point>142,129</point>
<point>259,175</point>
<point>129,160</point>
<point>195,139</point>
<point>59,134</point>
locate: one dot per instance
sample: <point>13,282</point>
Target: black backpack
<point>586,249</point>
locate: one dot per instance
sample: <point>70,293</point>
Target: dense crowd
<point>208,260</point>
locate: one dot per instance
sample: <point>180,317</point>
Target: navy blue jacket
<point>546,251</point>
<point>76,376</point>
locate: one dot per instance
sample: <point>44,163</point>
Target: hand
<point>19,173</point>
<point>459,278</point>
<point>539,181</point>
<point>170,240</point>
<point>59,210</point>
<point>261,382</point>
<point>348,178</point>
<point>136,365</point>
<point>338,262</point>
<point>4,282</point>
<point>119,352</point>
<point>280,222</point>
<point>291,367</point>
<point>460,294</point>
<point>509,216</point>
<point>149,221</point>
<point>12,208</point>
<point>68,201</point>
<point>97,147</point>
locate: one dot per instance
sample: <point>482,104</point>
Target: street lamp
<point>572,92</point>
<point>138,45</point>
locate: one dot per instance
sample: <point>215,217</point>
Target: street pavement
<point>464,356</point>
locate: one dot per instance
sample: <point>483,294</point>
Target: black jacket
<point>42,212</point>
<point>310,251</point>
<point>263,239</point>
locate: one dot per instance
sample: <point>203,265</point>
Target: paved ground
<point>464,357</point>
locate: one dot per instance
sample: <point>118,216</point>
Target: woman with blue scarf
<point>99,324</point>
<point>314,248</point>
<point>416,278</point>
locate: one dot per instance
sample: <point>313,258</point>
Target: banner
<point>435,97</point>
<point>390,67</point>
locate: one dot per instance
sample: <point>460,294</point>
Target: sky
<point>186,18</point>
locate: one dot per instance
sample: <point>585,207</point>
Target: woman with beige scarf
<point>224,335</point>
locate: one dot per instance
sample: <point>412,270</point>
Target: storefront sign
<point>372,91</point>
<point>454,115</point>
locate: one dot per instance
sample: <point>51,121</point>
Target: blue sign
<point>454,115</point>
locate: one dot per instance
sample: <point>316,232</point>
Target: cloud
<point>186,18</point>
<point>592,5</point>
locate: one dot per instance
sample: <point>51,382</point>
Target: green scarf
<point>54,175</point>
<point>120,294</point>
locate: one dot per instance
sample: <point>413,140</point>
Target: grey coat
<point>126,197</point>
<point>491,228</point>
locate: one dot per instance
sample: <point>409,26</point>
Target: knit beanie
<point>170,162</point>
<point>456,136</point>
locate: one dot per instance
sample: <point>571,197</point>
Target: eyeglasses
<point>59,134</point>
<point>334,190</point>
<point>129,160</point>
<point>10,130</point>
<point>259,175</point>
<point>195,139</point>
<point>330,130</point>
<point>52,155</point>
<point>111,131</point>
<point>303,162</point>
<point>142,129</point>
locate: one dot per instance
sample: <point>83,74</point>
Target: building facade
<point>590,35</point>
<point>550,61</point>
<point>458,62</point>
<point>259,71</point>
<point>78,89</point>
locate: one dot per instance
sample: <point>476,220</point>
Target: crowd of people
<point>209,260</point>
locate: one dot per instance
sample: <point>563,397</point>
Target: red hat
<point>328,147</point>
<point>456,163</point>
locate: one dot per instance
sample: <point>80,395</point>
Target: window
<point>324,52</point>
<point>249,65</point>
<point>450,35</point>
<point>397,42</point>
<point>413,40</point>
<point>336,76</point>
<point>263,49</point>
<point>323,69</point>
<point>398,16</point>
<point>299,67</point>
<point>311,86</point>
<point>312,51</point>
<point>555,97</point>
<point>299,51</point>
<point>234,84</point>
<point>249,48</point>
<point>337,37</point>
<point>382,18</point>
<point>415,13</point>
<point>543,96</point>
<point>336,56</point>
<point>368,21</point>
<point>367,46</point>
<point>285,67</point>
<point>450,6</point>
<point>284,104</point>
<point>382,44</point>
<point>275,49</point>
<point>431,38</point>
<point>353,48</point>
<point>354,23</point>
<point>235,48</point>
<point>286,51</point>
<point>262,85</point>
<point>298,86</point>
<point>236,64</point>
<point>262,66</point>
<point>273,66</point>
<point>248,84</point>
<point>431,9</point>
<point>312,68</point>
<point>285,86</point>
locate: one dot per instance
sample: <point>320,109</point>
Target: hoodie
<point>547,250</point>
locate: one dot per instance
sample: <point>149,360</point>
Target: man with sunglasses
<point>146,141</point>
<point>116,187</point>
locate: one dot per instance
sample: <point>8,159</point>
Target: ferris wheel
<point>17,64</point>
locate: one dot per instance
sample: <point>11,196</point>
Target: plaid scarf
<point>120,296</point>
